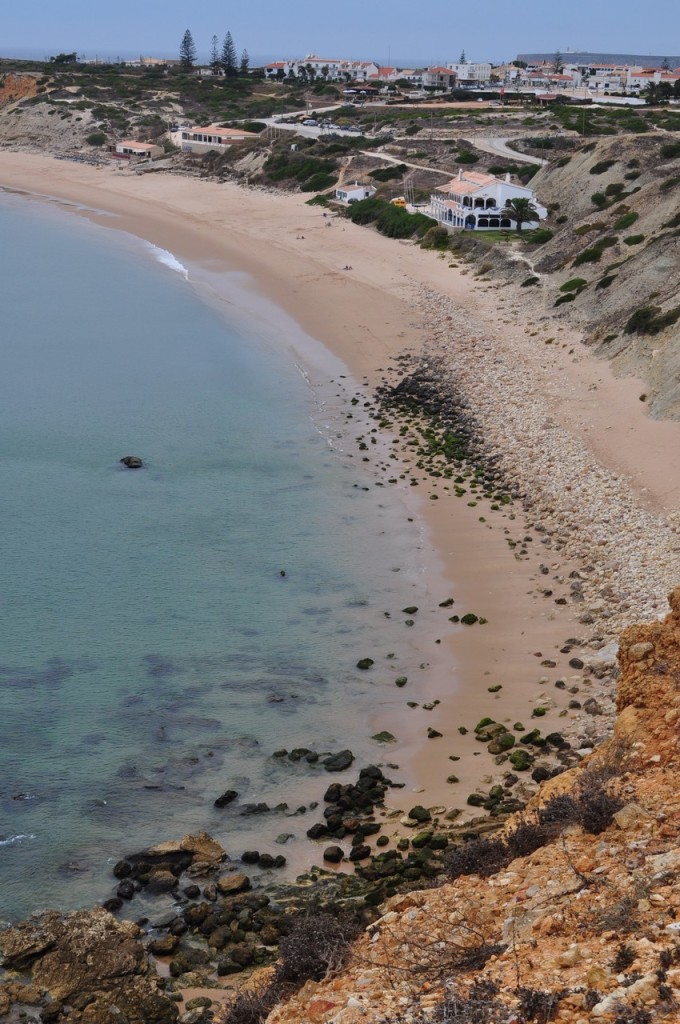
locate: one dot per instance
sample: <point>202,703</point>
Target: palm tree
<point>521,210</point>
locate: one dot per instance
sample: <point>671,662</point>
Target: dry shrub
<point>318,942</point>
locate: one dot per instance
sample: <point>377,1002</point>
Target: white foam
<point>168,260</point>
<point>9,840</point>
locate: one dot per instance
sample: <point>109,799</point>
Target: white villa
<point>475,201</point>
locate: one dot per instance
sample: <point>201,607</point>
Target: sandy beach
<point>600,480</point>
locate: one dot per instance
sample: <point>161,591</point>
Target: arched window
<point>505,223</point>
<point>470,221</point>
<point>494,222</point>
<point>490,203</point>
<point>483,222</point>
<point>479,204</point>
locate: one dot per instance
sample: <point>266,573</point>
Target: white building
<point>354,192</point>
<point>471,75</point>
<point>203,140</point>
<point>475,201</point>
<point>128,148</point>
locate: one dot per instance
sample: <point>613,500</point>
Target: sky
<point>392,32</point>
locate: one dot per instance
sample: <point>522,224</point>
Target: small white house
<point>128,149</point>
<point>475,201</point>
<point>354,193</point>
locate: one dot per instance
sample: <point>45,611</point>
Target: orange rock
<point>318,1009</point>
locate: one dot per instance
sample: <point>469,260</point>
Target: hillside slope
<point>613,264</point>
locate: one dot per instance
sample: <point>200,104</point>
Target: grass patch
<point>575,284</point>
<point>633,239</point>
<point>602,166</point>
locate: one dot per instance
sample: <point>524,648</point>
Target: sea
<point>164,631</point>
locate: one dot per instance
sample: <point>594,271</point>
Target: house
<point>475,201</point>
<point>129,149</point>
<point>354,193</point>
<point>439,78</point>
<point>203,140</point>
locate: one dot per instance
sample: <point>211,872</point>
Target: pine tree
<point>245,63</point>
<point>229,56</point>
<point>214,55</point>
<point>461,59</point>
<point>187,50</point>
<point>558,63</point>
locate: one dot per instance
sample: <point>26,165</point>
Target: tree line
<point>222,58</point>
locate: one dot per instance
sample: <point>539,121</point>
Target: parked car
<point>311,123</point>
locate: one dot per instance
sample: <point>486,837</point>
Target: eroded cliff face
<point>583,928</point>
<point>17,87</point>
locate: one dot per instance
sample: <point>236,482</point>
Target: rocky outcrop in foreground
<point>85,967</point>
<point>573,915</point>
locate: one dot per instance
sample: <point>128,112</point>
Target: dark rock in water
<point>132,461</point>
<point>227,797</point>
<point>265,860</point>
<point>250,856</point>
<point>161,881</point>
<point>164,946</point>
<point>365,663</point>
<point>419,813</point>
<point>360,852</point>
<point>125,890</point>
<point>249,809</point>
<point>113,905</point>
<point>333,854</point>
<point>338,762</point>
<point>122,869</point>
<point>317,831</point>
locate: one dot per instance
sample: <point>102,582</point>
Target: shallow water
<point>152,654</point>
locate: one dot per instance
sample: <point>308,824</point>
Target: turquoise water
<point>151,653</point>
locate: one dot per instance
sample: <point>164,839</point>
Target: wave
<point>18,838</point>
<point>167,259</point>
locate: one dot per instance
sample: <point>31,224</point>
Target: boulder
<point>132,461</point>
<point>228,885</point>
<point>202,847</point>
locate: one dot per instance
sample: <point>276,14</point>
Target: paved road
<point>496,144</point>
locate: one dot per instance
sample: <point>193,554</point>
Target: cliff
<point>582,927</point>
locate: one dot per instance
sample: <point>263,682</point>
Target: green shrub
<point>563,161</point>
<point>562,219</point>
<point>669,183</point>
<point>626,221</point>
<point>466,157</point>
<point>593,254</point>
<point>651,320</point>
<point>388,173</point>
<point>599,199</point>
<point>318,182</point>
<point>529,282</point>
<point>602,166</point>
<point>633,163</point>
<point>632,175</point>
<point>604,282</point>
<point>253,126</point>
<point>633,239</point>
<point>670,151</point>
<point>436,238</point>
<point>575,284</point>
<point>96,139</point>
<point>615,189</point>
<point>569,297</point>
<point>539,236</point>
<point>585,229</point>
